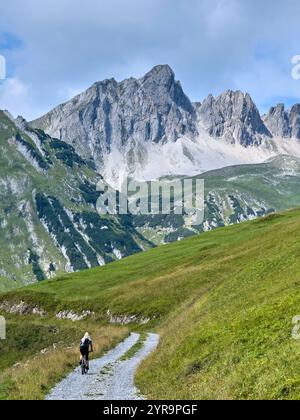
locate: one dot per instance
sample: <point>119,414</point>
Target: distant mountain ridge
<point>148,127</point>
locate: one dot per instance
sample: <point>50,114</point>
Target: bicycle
<point>84,365</point>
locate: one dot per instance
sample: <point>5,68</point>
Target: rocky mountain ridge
<point>284,123</point>
<point>148,127</point>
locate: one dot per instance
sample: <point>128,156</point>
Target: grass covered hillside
<point>222,302</point>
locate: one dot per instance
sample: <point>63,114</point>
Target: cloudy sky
<point>56,48</point>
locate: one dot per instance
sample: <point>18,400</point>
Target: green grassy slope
<point>223,303</point>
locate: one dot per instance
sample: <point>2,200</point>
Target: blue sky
<point>56,48</point>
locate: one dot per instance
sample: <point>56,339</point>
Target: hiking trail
<point>109,377</point>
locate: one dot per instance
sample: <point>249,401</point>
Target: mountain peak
<point>234,116</point>
<point>112,115</point>
<point>280,107</point>
<point>232,93</point>
<point>236,95</point>
<point>162,76</point>
<point>284,123</point>
<point>161,71</point>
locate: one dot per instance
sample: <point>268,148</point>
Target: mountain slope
<point>49,223</point>
<point>147,129</point>
<point>232,195</point>
<point>222,302</point>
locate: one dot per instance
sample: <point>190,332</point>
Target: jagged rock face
<point>284,123</point>
<point>151,109</point>
<point>295,121</point>
<point>233,116</point>
<point>278,122</point>
<point>130,115</point>
<point>148,128</point>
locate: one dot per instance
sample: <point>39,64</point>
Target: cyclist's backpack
<point>85,344</point>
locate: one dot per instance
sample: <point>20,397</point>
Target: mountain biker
<point>86,346</point>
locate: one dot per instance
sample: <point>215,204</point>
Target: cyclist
<point>86,346</point>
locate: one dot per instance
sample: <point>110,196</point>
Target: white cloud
<point>13,94</point>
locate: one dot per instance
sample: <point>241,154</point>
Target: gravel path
<point>109,378</point>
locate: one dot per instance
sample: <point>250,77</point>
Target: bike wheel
<point>83,364</point>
